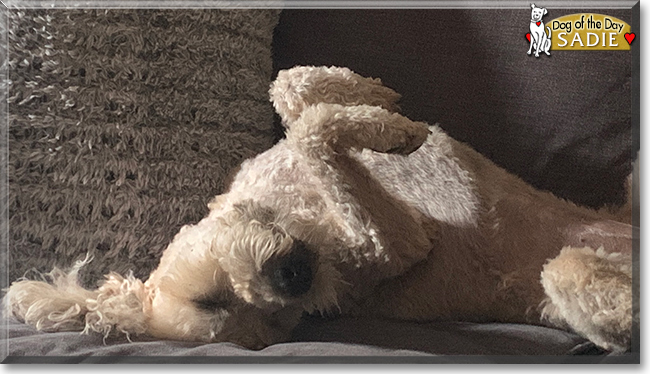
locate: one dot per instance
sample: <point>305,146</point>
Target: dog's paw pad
<point>413,135</point>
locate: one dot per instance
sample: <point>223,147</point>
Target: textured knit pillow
<point>124,124</point>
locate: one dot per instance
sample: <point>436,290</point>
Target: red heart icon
<point>537,23</point>
<point>629,36</point>
<point>528,36</point>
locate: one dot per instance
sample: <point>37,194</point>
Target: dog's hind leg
<point>590,292</point>
<point>547,41</point>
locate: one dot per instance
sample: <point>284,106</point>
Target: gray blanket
<point>319,340</point>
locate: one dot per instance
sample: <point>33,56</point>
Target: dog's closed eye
<point>212,303</point>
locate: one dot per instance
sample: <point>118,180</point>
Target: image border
<point>633,357</point>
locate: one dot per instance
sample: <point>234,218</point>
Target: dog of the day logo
<point>581,31</point>
<point>539,35</point>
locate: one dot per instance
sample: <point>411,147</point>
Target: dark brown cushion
<point>562,123</point>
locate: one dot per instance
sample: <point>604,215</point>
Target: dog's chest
<point>278,179</point>
<point>431,180</point>
<point>537,27</point>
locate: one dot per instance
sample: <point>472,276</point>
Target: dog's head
<point>537,13</point>
<point>244,274</point>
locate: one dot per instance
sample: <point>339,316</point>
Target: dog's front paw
<point>297,88</point>
<point>412,136</point>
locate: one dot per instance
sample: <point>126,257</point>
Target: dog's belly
<point>494,234</point>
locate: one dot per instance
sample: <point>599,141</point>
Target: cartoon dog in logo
<point>539,39</point>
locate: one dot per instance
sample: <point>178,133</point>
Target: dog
<point>360,211</point>
<point>539,39</point>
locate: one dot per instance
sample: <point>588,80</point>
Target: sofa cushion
<point>124,124</point>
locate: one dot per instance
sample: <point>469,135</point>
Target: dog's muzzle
<point>292,274</point>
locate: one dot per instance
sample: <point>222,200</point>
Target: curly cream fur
<point>592,292</point>
<point>301,87</point>
<point>394,218</point>
<point>58,303</point>
<point>61,304</point>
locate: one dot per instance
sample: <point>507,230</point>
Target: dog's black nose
<point>291,275</point>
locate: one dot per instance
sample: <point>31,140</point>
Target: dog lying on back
<point>360,211</point>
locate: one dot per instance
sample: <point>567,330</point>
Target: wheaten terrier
<point>361,211</point>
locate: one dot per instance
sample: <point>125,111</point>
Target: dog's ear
<point>545,11</point>
<point>303,86</point>
<point>59,303</point>
<point>532,6</point>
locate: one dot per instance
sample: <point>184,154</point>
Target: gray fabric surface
<point>449,338</point>
<point>317,337</point>
<point>124,124</point>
